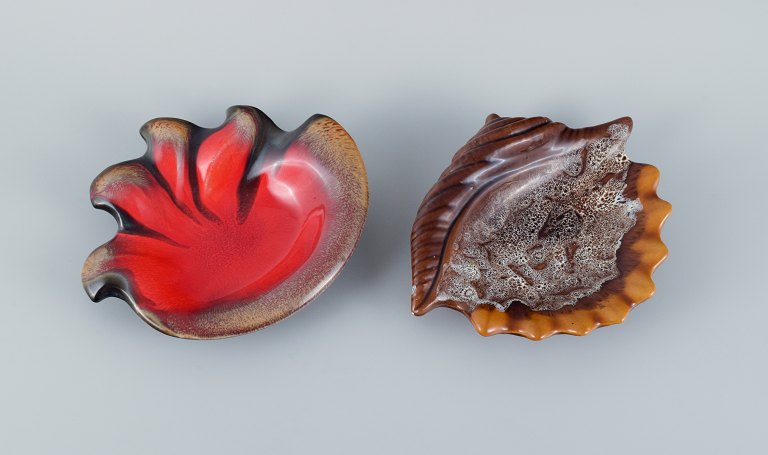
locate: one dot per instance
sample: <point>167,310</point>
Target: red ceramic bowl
<point>226,230</point>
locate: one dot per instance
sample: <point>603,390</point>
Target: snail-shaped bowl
<point>536,229</point>
<point>226,230</point>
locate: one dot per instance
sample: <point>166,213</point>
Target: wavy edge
<point>99,285</point>
<point>615,307</point>
<point>612,309</point>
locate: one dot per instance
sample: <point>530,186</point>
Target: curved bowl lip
<point>121,291</point>
<point>612,309</point>
<point>152,321</point>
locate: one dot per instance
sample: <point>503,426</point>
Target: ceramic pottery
<point>536,229</point>
<point>226,230</point>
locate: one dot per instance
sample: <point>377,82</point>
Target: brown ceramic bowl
<point>536,229</point>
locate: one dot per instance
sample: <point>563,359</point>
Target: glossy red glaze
<point>203,262</point>
<point>214,219</point>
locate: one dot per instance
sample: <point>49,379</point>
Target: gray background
<point>354,372</point>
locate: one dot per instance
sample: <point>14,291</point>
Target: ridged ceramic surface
<point>536,229</point>
<point>226,230</point>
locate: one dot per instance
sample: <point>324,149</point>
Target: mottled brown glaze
<point>510,153</point>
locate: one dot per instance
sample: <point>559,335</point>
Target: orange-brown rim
<point>642,250</point>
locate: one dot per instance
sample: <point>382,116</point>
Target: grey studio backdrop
<point>354,372</point>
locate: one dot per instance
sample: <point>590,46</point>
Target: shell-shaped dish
<point>536,229</point>
<point>226,230</point>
